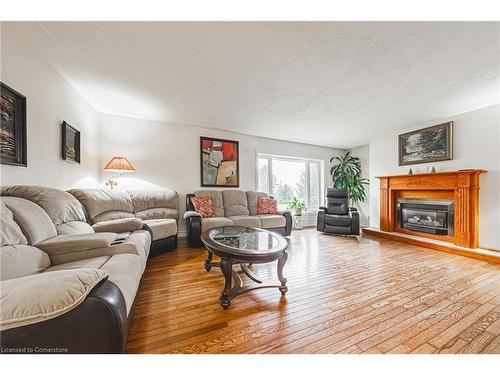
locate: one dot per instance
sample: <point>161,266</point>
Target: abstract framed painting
<point>70,143</point>
<point>13,147</point>
<point>427,145</point>
<point>219,162</point>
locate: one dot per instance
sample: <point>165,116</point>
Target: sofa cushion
<point>10,233</point>
<point>204,206</point>
<point>119,225</point>
<point>246,221</point>
<point>161,228</point>
<point>235,203</point>
<point>125,270</point>
<point>103,205</point>
<point>337,206</point>
<point>96,263</point>
<point>212,222</point>
<point>158,213</point>
<point>41,297</point>
<point>338,220</point>
<point>267,206</point>
<point>112,215</point>
<point>216,198</point>
<point>22,260</point>
<point>31,218</point>
<point>74,227</point>
<point>139,240</point>
<point>252,199</point>
<point>146,200</point>
<point>58,204</point>
<point>272,221</point>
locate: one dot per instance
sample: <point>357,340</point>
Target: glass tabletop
<point>245,239</point>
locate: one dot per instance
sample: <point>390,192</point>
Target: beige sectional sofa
<point>157,211</point>
<point>66,283</point>
<point>233,207</point>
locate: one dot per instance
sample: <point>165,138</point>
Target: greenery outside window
<point>288,177</point>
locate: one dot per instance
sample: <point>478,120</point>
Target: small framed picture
<point>219,162</point>
<point>70,143</point>
<point>12,127</point>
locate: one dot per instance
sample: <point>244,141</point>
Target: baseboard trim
<point>482,254</point>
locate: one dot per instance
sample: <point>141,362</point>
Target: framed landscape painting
<point>12,127</point>
<point>70,143</point>
<point>427,145</point>
<point>219,162</point>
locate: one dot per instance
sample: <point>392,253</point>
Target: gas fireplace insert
<point>433,216</point>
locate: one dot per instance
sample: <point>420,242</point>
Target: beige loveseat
<point>233,207</point>
<point>64,283</point>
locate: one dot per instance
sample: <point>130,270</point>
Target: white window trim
<point>308,162</point>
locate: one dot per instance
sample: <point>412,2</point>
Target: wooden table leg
<point>208,261</point>
<point>227,269</point>
<point>281,264</point>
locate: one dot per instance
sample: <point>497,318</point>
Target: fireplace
<point>461,219</point>
<point>435,216</point>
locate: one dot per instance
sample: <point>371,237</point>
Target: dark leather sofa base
<point>98,325</point>
<point>162,246</point>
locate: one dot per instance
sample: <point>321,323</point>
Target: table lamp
<point>120,165</point>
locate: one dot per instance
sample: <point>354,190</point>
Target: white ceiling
<point>327,83</point>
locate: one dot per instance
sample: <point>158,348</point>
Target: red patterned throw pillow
<point>267,206</point>
<point>204,206</point>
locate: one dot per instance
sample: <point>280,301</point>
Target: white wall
<point>167,155</point>
<point>363,153</point>
<point>50,100</point>
<point>476,145</point>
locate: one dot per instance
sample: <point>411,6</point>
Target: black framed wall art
<point>13,145</point>
<point>427,145</point>
<point>219,162</point>
<point>70,143</point>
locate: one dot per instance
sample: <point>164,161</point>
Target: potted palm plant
<point>346,174</point>
<point>297,206</point>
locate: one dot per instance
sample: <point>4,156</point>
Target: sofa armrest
<point>289,222</point>
<point>323,208</point>
<point>194,230</point>
<point>69,248</point>
<point>282,212</point>
<point>76,242</point>
<point>96,325</point>
<point>320,221</point>
<point>35,298</point>
<point>119,225</point>
<point>354,222</point>
<point>189,214</point>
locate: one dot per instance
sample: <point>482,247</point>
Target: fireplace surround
<point>461,188</point>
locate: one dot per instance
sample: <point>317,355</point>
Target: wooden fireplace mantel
<point>461,186</point>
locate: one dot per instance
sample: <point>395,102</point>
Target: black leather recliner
<point>337,217</point>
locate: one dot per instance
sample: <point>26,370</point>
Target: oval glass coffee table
<point>244,246</point>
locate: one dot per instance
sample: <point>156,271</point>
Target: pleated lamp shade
<point>119,164</point>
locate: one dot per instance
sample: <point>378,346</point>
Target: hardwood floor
<point>346,295</point>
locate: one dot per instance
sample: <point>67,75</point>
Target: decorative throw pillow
<point>204,206</point>
<point>266,206</point>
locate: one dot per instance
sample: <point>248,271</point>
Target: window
<point>284,178</point>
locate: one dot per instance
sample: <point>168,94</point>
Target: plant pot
<point>297,211</point>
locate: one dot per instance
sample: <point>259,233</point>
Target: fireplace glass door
<point>429,216</point>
